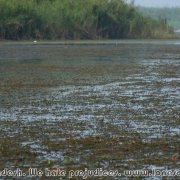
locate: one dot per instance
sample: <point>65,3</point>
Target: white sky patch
<point>157,3</point>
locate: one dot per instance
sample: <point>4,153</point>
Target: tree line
<point>76,19</point>
<point>171,14</point>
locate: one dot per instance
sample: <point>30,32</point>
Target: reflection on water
<point>58,100</point>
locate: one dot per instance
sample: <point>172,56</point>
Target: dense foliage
<point>76,19</point>
<point>171,14</point>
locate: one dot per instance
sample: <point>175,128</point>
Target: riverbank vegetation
<point>80,19</point>
<point>171,14</point>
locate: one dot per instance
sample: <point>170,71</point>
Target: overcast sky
<point>157,3</point>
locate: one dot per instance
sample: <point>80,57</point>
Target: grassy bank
<point>80,19</point>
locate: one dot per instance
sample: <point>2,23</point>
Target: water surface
<point>108,104</point>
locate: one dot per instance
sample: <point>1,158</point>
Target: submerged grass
<point>121,150</point>
<point>110,110</point>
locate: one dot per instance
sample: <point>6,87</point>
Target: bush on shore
<point>76,19</point>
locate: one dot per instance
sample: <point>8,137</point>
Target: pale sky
<point>157,3</point>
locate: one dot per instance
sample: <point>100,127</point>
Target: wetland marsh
<point>107,104</point>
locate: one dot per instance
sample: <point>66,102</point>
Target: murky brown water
<point>112,104</point>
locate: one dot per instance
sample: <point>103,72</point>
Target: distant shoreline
<point>93,42</point>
